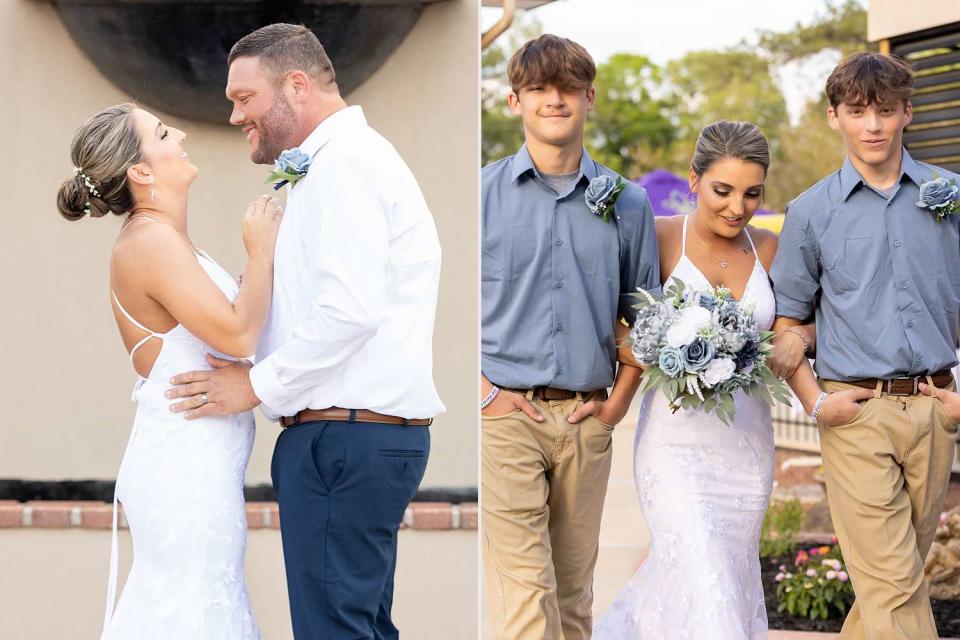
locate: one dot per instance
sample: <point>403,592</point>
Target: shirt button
<point>559,370</point>
<point>903,284</point>
<point>909,323</point>
<point>559,284</point>
<point>559,326</point>
<point>559,243</point>
<point>896,243</point>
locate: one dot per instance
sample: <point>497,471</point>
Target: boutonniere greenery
<point>290,166</point>
<point>602,194</point>
<point>940,197</point>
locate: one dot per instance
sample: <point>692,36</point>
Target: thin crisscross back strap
<point>150,333</point>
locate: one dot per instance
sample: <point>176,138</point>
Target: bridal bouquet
<point>700,347</point>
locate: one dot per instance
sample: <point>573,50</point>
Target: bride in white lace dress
<point>180,483</point>
<point>704,486</point>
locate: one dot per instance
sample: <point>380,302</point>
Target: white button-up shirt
<point>355,282</point>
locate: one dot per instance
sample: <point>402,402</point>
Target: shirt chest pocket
<point>851,264</point>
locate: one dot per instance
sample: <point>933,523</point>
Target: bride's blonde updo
<point>103,148</point>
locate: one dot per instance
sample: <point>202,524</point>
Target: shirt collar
<point>523,164</point>
<point>332,125</point>
<point>850,178</point>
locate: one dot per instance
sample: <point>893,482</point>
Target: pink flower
<point>842,576</point>
<point>811,573</point>
<point>783,567</point>
<point>780,577</point>
<point>831,574</point>
<point>815,551</point>
<point>833,540</point>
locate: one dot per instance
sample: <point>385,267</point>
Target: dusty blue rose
<point>698,354</point>
<point>938,193</point>
<point>707,300</point>
<point>598,192</point>
<point>671,362</point>
<point>292,161</point>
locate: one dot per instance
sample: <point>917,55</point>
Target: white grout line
<point>454,516</point>
<point>27,516</point>
<point>76,519</point>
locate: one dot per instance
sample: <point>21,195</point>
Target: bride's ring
<point>203,399</point>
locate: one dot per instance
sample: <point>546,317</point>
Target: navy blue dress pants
<point>343,488</point>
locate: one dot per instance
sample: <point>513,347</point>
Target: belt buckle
<point>914,380</point>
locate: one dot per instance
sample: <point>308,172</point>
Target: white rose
<point>698,317</point>
<point>720,370</point>
<point>681,334</point>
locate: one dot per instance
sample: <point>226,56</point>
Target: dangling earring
<point>153,191</point>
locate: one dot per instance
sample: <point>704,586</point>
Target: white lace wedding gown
<point>704,488</point>
<point>181,487</point>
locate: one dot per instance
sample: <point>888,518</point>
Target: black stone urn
<point>172,54</point>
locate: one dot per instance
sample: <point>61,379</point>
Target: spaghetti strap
<point>750,238</point>
<point>683,241</point>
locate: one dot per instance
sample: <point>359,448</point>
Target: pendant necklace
<point>723,261</point>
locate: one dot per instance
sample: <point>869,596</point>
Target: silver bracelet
<point>490,397</point>
<point>806,345</point>
<point>819,405</point>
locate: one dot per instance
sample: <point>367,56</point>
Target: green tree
<point>842,27</point>
<point>631,130</point>
<point>734,84</point>
<point>810,149</point>
<point>501,131</point>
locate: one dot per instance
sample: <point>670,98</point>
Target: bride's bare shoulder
<point>144,245</point>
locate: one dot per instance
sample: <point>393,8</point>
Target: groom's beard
<point>274,130</point>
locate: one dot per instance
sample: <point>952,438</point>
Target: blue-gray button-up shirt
<point>881,274</point>
<point>555,277</point>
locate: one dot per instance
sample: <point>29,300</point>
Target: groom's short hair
<point>551,60</point>
<point>870,78</point>
<point>282,48</point>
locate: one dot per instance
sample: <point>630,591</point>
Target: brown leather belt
<point>905,386</point>
<point>552,393</point>
<point>336,414</point>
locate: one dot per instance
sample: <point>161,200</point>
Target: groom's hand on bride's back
<point>841,407</point>
<point>223,390</point>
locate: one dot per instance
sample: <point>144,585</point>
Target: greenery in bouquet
<point>818,585</point>
<point>699,347</point>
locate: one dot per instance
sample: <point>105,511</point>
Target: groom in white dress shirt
<point>345,361</point>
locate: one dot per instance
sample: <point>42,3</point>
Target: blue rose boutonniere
<point>292,165</point>
<point>940,196</point>
<point>602,194</point>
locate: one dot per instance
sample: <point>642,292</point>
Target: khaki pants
<point>542,493</point>
<point>886,476</point>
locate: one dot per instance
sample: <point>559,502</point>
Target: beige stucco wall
<point>66,381</point>
<point>889,18</point>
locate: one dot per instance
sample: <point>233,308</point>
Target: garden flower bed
<point>946,612</point>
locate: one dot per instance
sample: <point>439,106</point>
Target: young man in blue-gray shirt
<point>556,280</point>
<point>861,254</point>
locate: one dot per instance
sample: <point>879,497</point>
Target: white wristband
<point>819,405</point>
<point>490,397</point>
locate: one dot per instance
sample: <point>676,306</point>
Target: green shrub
<point>817,587</point>
<point>781,524</point>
